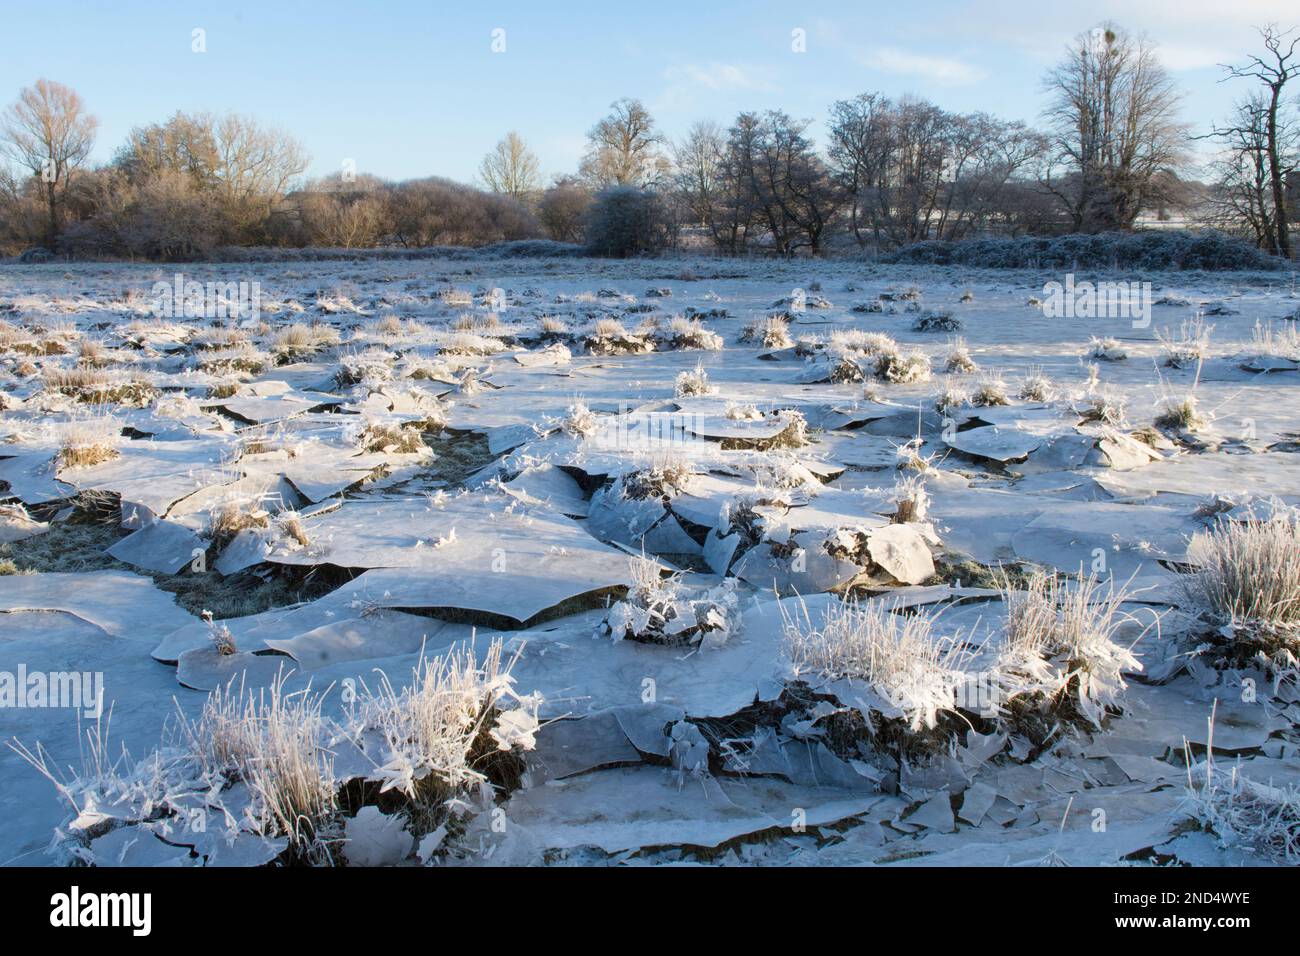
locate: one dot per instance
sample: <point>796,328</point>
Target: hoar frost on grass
<point>260,765</point>
<point>1247,582</point>
<point>662,610</point>
<point>1059,661</point>
<point>1243,814</point>
<point>914,671</point>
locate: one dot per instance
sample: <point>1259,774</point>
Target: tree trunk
<point>1275,174</point>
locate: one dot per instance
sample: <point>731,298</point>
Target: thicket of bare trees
<point>889,173</point>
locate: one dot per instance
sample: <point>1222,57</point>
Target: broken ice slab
<point>626,808</point>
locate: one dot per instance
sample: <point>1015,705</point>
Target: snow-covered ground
<point>396,461</point>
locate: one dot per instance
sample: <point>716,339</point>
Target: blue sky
<point>413,88</point>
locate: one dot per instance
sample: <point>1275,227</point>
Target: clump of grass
<point>392,438</point>
<point>664,477</point>
<point>937,322</point>
<point>1036,387</point>
<point>909,457</point>
<point>901,368</point>
<point>455,298</point>
<point>898,656</point>
<point>846,371</point>
<point>742,413</point>
<point>290,522</point>
<point>1106,408</point>
<point>685,334</point>
<point>87,442</point>
<point>299,341</point>
<point>223,641</point>
<point>231,517</point>
<point>952,397</point>
<point>448,732</point>
<point>98,387</point>
<point>1059,660</point>
<point>1248,579</point>
<point>1106,349</point>
<point>278,744</point>
<point>772,332</point>
<point>1282,342</point>
<point>693,382</point>
<point>553,327</point>
<point>1263,819</point>
<point>1191,344</point>
<point>911,500</point>
<point>470,343</point>
<point>992,391</point>
<point>657,609</point>
<point>794,434</point>
<point>609,337</point>
<point>959,359</point>
<point>857,341</point>
<point>1180,413</point>
<point>579,421</point>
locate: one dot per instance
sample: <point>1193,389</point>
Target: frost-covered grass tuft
<point>276,743</point>
<point>958,360</point>
<point>693,382</point>
<point>1280,343</point>
<point>1180,413</point>
<point>579,421</point>
<point>392,439</point>
<point>990,392</point>
<point>772,332</point>
<point>1036,387</point>
<point>688,334</point>
<point>896,655</point>
<point>1106,408</point>
<point>952,397</point>
<point>446,733</point>
<point>1106,350</point>
<point>1262,819</point>
<point>1059,659</point>
<point>89,441</point>
<point>299,341</point>
<point>1187,347</point>
<point>911,500</point>
<point>1248,572</point>
<point>902,368</point>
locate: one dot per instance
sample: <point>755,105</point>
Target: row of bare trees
<point>891,172</point>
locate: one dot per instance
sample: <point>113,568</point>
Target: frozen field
<point>649,487</point>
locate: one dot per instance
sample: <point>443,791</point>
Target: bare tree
<point>255,168</point>
<point>49,132</point>
<point>510,168</point>
<point>1114,118</point>
<point>623,148</point>
<point>1280,64</point>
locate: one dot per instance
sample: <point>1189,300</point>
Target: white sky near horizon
<point>409,89</point>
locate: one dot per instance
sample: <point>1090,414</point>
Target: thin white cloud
<point>941,69</point>
<point>1178,56</point>
<point>714,77</point>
